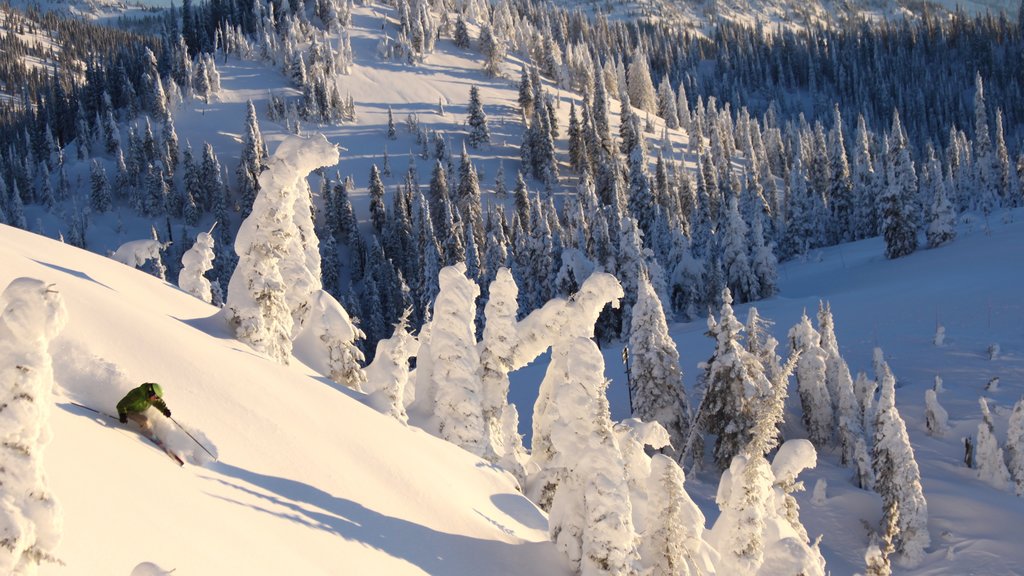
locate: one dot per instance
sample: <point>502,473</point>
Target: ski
<point>151,437</point>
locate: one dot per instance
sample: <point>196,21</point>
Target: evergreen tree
<point>811,373</point>
<point>673,542</point>
<point>898,480</point>
<point>988,456</point>
<point>493,50</point>
<point>99,191</point>
<point>840,189</point>
<point>252,161</point>
<point>1015,446</point>
<point>640,87</point>
<point>733,379</point>
<point>898,222</point>
<point>378,212</point>
<point>477,120</point>
<point>739,274</point>
<point>656,381</point>
<point>942,216</point>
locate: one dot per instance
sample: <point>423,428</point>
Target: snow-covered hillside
<point>308,480</point>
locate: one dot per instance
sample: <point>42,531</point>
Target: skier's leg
<point>141,419</point>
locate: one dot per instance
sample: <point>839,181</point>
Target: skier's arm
<point>160,405</point>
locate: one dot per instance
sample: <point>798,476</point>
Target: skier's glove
<point>167,413</point>
<point>123,418</point>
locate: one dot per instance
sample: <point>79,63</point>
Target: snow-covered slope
<point>308,480</point>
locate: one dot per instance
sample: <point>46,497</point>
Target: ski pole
<point>193,438</point>
<point>112,417</point>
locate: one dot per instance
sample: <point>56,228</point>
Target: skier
<point>137,401</point>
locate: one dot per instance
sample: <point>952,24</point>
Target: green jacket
<point>139,399</point>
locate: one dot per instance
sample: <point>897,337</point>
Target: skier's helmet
<point>154,389</point>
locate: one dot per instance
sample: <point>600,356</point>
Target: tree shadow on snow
<point>436,553</point>
<point>70,272</point>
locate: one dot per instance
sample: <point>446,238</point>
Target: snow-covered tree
<point>452,364</point>
<point>275,276</point>
<point>330,337</point>
<point>99,191</point>
<point>755,529</point>
<point>477,120</point>
<point>554,325</point>
<point>898,201</point>
<point>388,374</point>
<point>32,315</point>
<point>252,161</point>
<point>195,262</point>
<point>504,446</point>
<point>1015,446</point>
<point>591,514</point>
<point>936,419</point>
<point>656,380</point>
<point>640,86</point>
<point>810,378</point>
<point>673,542</point>
<point>897,477</point>
<point>988,456</point>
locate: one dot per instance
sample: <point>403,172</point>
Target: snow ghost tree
<point>503,443</point>
<point>33,314</point>
<point>897,477</point>
<point>591,514</point>
<point>935,416</point>
<point>655,378</point>
<point>330,336</point>
<point>454,362</point>
<point>1015,446</point>
<point>389,372</point>
<point>194,263</point>
<point>991,463</point>
<point>135,253</point>
<point>555,325</point>
<point>274,243</point>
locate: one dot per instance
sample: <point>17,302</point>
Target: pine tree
<point>739,274</point>
<point>194,264</point>
<point>898,222</point>
<point>673,542</point>
<point>378,212</point>
<point>811,373</point>
<point>276,242</point>
<point>897,477</point>
<point>733,378</point>
<point>496,360</point>
<point>942,216</point>
<point>455,361</point>
<point>935,416</point>
<point>477,120</point>
<point>493,50</point>
<point>656,381</point>
<point>1015,446</point>
<point>99,191</point>
<point>640,86</point>
<point>591,514</point>
<point>252,161</point>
